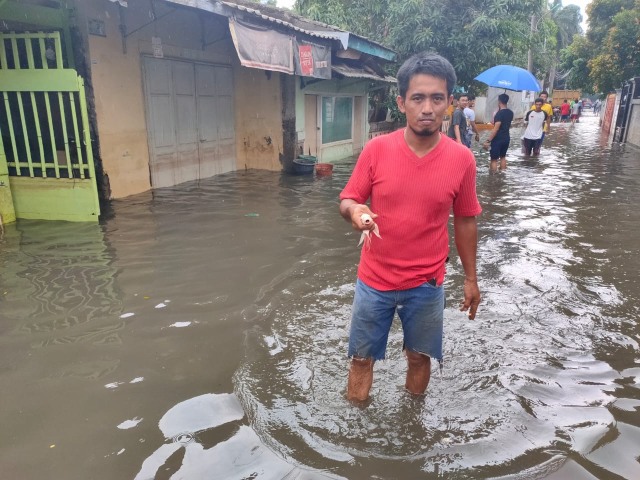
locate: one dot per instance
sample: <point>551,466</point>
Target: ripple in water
<point>495,401</point>
<point>521,386</point>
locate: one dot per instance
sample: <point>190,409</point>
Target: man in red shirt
<point>413,178</point>
<point>565,109</point>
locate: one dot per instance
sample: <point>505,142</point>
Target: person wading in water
<point>413,178</point>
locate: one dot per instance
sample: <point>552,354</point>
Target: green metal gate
<point>46,161</point>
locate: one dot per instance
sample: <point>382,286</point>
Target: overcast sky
<point>581,3</point>
<point>286,3</point>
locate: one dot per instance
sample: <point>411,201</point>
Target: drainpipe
<point>123,28</point>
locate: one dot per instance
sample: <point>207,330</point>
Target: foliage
<point>619,59</point>
<point>610,53</point>
<point>601,13</point>
<point>567,20</point>
<point>574,61</point>
<point>473,34</point>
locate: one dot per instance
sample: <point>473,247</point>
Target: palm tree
<point>567,21</point>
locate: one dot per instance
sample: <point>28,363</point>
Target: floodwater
<point>201,332</point>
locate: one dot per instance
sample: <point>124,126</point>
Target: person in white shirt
<point>471,121</point>
<point>535,120</point>
<point>575,111</point>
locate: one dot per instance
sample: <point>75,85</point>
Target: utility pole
<point>530,52</point>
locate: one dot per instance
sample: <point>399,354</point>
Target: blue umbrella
<point>510,78</point>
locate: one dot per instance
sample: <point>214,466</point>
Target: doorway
<point>190,120</point>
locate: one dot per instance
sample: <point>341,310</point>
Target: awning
<point>290,21</point>
<point>260,47</point>
<point>351,71</point>
<point>312,60</point>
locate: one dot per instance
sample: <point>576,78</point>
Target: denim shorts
<point>421,311</point>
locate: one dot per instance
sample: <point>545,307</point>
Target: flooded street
<point>201,332</point>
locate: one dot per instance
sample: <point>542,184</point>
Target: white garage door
<point>190,120</point>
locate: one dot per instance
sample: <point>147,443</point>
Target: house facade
<point>170,91</point>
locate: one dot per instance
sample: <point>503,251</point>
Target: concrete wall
<point>119,97</point>
<point>633,127</point>
<point>258,103</point>
<point>614,114</point>
<point>516,104</point>
<point>606,113</point>
<point>481,110</point>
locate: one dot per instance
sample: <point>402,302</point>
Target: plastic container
<point>323,169</point>
<point>304,164</point>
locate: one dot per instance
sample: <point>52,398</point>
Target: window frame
<point>321,97</point>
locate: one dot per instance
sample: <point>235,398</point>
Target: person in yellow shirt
<point>546,107</point>
<point>452,108</point>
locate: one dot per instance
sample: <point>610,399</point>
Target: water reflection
<point>205,435</point>
<point>58,286</point>
<point>113,337</point>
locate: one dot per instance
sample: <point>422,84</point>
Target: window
<point>337,119</point>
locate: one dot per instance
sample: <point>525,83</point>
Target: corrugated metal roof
<point>350,71</point>
<point>288,20</point>
<point>328,34</point>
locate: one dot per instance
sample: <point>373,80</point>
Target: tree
<point>567,21</point>
<point>574,60</point>
<point>473,34</point>
<point>601,13</point>
<point>619,58</point>
<point>610,53</point>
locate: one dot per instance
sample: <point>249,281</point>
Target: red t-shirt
<point>413,198</point>
<point>565,108</point>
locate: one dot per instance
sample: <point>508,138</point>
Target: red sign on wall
<point>306,60</point>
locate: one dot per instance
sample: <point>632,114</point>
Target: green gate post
<point>33,191</point>
<point>7,212</point>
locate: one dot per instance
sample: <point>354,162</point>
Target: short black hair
<point>503,98</point>
<point>460,95</point>
<point>427,64</point>
<point>544,92</point>
<point>539,99</point>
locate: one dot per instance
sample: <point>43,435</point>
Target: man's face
<point>425,104</point>
<point>463,102</point>
<point>538,106</point>
<point>544,97</point>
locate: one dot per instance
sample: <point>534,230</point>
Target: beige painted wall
<point>258,119</point>
<point>119,95</point>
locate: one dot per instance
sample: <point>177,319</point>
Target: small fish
<point>366,234</point>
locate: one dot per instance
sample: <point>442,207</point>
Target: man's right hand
<point>356,211</point>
